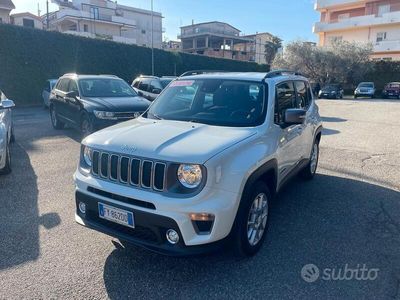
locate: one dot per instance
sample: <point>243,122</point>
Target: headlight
<point>107,115</point>
<point>87,156</point>
<point>190,175</point>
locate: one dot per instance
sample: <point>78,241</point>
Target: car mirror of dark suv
<point>71,95</point>
<point>294,116</point>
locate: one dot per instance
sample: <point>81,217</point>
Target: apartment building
<point>222,40</point>
<point>364,21</point>
<point>107,20</point>
<point>6,6</point>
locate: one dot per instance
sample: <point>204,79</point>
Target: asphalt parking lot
<point>349,215</point>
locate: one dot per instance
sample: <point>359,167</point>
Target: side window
<point>302,95</point>
<point>285,99</point>
<point>144,85</point>
<point>63,85</point>
<point>155,85</point>
<point>73,87</point>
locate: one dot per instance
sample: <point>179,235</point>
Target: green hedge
<point>28,57</point>
<point>384,72</point>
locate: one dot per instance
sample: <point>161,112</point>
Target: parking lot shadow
<point>19,217</point>
<point>330,222</point>
<point>333,119</point>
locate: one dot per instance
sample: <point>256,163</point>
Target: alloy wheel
<point>257,219</point>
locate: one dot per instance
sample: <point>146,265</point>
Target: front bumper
<point>328,95</point>
<point>155,213</point>
<point>149,232</point>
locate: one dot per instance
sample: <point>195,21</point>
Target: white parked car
<point>6,133</point>
<point>365,89</point>
<point>47,90</point>
<point>202,165</point>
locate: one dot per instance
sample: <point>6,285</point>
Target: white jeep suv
<point>201,166</point>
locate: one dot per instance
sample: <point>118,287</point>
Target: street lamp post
<point>152,39</point>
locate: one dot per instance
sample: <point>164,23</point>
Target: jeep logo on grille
<point>130,149</point>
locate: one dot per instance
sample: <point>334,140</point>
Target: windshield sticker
<point>182,83</point>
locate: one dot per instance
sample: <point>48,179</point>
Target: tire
<point>247,239</point>
<point>12,137</point>
<point>7,166</point>
<point>57,124</point>
<point>311,168</point>
<point>86,126</point>
<point>355,97</point>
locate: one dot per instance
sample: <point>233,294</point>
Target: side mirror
<point>156,91</point>
<point>294,116</point>
<point>71,94</point>
<point>7,104</point>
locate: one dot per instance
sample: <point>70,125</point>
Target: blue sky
<point>290,19</point>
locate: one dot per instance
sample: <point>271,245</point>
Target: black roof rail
<point>199,72</point>
<point>282,72</point>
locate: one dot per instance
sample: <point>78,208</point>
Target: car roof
<point>394,82</point>
<point>247,76</point>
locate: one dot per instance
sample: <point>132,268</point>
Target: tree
<point>271,49</point>
<point>342,62</point>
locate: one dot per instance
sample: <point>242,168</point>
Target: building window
<point>383,9</point>
<point>387,59</point>
<point>28,23</point>
<point>335,39</point>
<point>94,13</point>
<point>73,27</point>
<point>143,31</point>
<point>343,17</point>
<point>85,28</point>
<point>381,36</point>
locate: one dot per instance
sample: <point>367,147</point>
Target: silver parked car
<point>50,83</point>
<point>365,89</point>
<point>6,133</point>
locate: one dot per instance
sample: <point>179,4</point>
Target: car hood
<point>168,140</point>
<point>123,104</point>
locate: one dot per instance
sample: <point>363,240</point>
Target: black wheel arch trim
<point>269,166</point>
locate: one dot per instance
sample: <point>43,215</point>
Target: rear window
<point>394,85</point>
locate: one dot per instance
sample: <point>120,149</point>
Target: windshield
<point>331,87</point>
<point>165,82</point>
<point>212,101</point>
<point>366,85</point>
<point>104,87</point>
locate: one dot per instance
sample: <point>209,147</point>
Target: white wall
<point>5,15</point>
<point>143,22</point>
<point>20,21</point>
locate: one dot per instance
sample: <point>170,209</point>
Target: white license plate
<point>116,215</point>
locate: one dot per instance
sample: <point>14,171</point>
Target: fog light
<point>172,236</point>
<point>202,217</point>
<point>82,207</point>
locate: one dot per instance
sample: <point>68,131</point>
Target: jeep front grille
<point>127,170</point>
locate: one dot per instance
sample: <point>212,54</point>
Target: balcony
<point>387,46</point>
<point>118,39</point>
<point>80,14</point>
<point>323,4</point>
<point>358,22</point>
